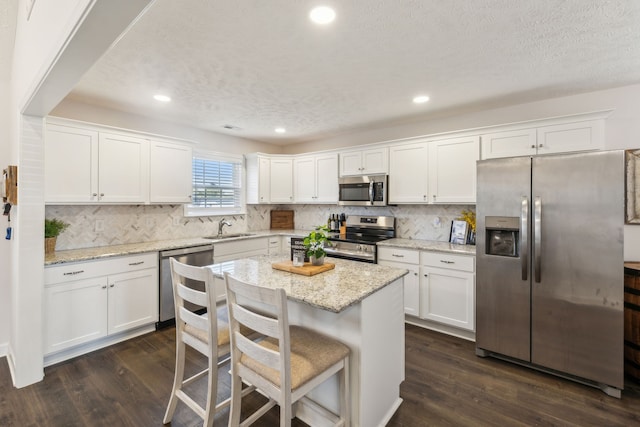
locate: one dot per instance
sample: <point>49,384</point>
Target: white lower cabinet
<point>89,300</point>
<point>440,287</point>
<point>447,289</point>
<point>407,259</point>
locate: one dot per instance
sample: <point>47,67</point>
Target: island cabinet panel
<point>410,260</point>
<point>374,331</point>
<point>91,304</point>
<point>408,173</point>
<point>71,164</point>
<point>170,173</point>
<point>452,169</point>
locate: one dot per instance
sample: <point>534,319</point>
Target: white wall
<point>72,109</point>
<point>53,48</point>
<point>622,129</point>
<point>5,159</point>
<point>38,41</point>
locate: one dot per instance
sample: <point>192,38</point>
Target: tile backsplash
<point>104,225</point>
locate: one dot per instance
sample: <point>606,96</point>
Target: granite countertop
<point>347,284</point>
<point>85,254</point>
<point>429,245</point>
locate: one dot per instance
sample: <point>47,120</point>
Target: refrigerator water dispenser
<point>503,234</point>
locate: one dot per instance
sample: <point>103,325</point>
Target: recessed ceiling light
<point>322,15</point>
<point>421,99</point>
<point>280,130</point>
<point>161,98</point>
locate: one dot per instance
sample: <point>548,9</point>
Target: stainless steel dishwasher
<point>194,255</point>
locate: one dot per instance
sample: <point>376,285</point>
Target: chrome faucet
<point>221,224</point>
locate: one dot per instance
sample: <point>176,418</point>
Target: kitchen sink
<point>229,236</point>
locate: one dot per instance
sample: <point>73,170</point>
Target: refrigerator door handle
<point>524,237</point>
<point>537,238</point>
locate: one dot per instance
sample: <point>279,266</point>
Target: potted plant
<point>314,244</point>
<point>52,228</point>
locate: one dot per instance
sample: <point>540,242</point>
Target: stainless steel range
<point>359,242</point>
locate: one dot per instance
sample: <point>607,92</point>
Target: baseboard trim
<point>439,327</point>
<point>61,356</point>
<point>4,349</point>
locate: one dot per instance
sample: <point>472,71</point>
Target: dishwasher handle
<point>186,251</point>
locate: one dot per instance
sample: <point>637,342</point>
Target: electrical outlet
<point>176,221</point>
<point>99,225</point>
<point>150,223</point>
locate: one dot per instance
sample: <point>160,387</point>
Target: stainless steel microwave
<point>367,190</point>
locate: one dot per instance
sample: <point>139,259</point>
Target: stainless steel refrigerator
<point>549,283</point>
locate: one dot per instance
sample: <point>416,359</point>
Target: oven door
<point>369,190</point>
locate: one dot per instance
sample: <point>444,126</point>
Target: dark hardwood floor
<point>446,385</point>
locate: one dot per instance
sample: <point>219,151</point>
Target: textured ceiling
<point>262,64</point>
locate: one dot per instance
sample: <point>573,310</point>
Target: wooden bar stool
<point>288,363</point>
<point>205,333</point>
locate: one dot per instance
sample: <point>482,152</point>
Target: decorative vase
<point>316,261</point>
<point>49,245</point>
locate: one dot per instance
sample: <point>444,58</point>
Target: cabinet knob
<point>104,287</point>
<point>101,194</point>
<point>533,146</point>
<point>540,146</point>
<point>415,274</point>
<point>111,285</point>
<point>426,275</point>
<point>94,195</point>
<point>424,197</point>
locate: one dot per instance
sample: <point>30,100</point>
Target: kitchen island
<point>357,303</point>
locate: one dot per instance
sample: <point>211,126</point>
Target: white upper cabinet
<point>281,187</point>
<point>86,164</point>
<point>452,169</point>
<point>123,172</point>
<point>258,178</point>
<point>364,162</point>
<point>316,179</point>
<point>170,173</point>
<point>71,164</point>
<point>561,135</point>
<point>509,144</point>
<point>408,173</point>
<point>580,136</point>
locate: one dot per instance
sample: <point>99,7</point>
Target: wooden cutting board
<point>282,219</point>
<point>307,269</point>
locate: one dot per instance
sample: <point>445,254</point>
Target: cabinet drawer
<point>399,255</point>
<point>450,261</point>
<point>95,268</point>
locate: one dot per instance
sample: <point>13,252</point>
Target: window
<point>217,185</point>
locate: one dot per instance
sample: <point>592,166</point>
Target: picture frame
<point>459,232</point>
